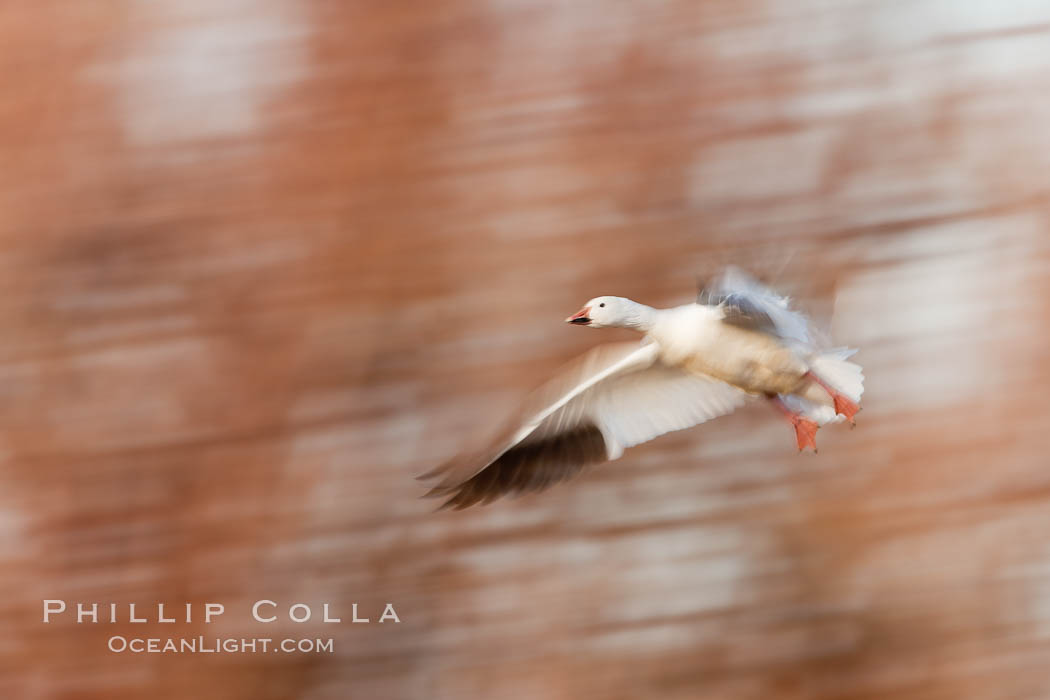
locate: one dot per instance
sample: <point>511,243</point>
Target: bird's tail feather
<point>834,367</point>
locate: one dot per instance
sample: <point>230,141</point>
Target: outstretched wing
<point>611,398</point>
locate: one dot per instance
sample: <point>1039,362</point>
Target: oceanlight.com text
<point>217,645</point>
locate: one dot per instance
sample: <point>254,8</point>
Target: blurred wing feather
<point>639,407</point>
<point>609,399</point>
<point>750,304</point>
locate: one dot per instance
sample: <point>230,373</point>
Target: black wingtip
<point>440,492</point>
<point>425,476</point>
<point>437,471</point>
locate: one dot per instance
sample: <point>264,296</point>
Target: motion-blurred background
<point>263,262</point>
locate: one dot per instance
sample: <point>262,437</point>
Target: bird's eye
<point>602,304</point>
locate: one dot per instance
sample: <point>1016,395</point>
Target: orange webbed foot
<point>845,407</point>
<point>805,432</point>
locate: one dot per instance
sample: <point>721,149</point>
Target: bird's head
<point>601,312</point>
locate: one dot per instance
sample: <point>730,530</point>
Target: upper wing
<point>750,304</point>
<point>609,399</point>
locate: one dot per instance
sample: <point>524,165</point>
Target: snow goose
<point>696,362</point>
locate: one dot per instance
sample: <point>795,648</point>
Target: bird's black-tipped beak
<point>581,317</point>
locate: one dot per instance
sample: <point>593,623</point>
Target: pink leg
<point>843,404</point>
<point>805,429</point>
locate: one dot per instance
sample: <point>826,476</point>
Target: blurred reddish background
<point>263,262</point>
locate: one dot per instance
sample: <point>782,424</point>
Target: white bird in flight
<point>696,362</point>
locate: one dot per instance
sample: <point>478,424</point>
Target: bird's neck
<point>639,317</point>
